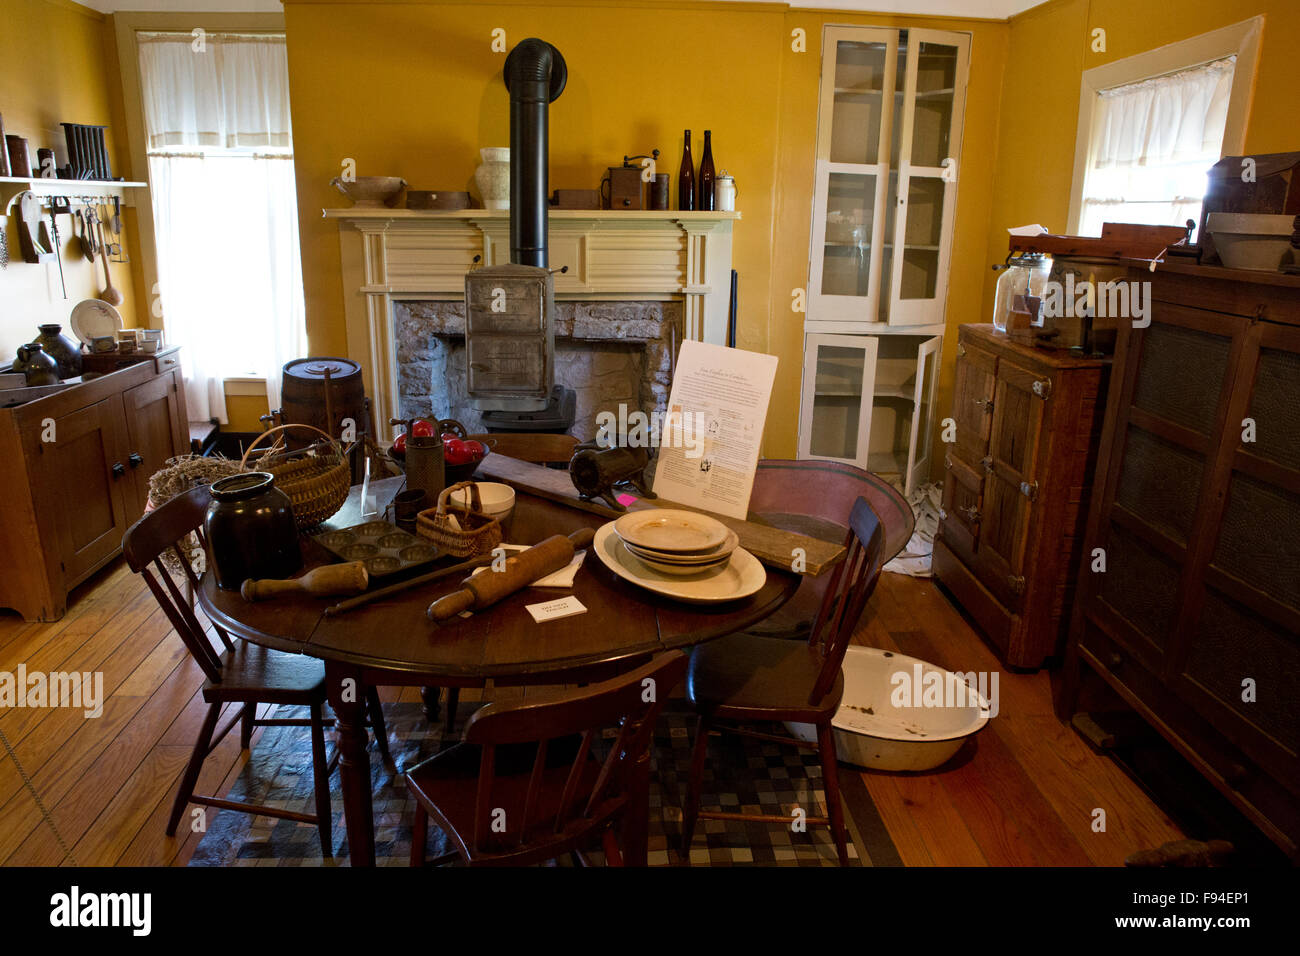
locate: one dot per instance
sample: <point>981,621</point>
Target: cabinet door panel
<point>838,386</point>
<point>153,434</point>
<point>1010,481</point>
<point>973,403</point>
<point>76,482</point>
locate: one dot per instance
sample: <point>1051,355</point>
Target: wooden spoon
<point>110,295</point>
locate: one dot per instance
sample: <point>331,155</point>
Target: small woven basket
<point>316,478</point>
<point>465,534</point>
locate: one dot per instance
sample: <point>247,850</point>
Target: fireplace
<point>609,353</point>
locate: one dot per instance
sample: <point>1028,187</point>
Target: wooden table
<point>390,642</point>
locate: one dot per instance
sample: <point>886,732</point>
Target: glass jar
<point>1017,303</point>
<point>251,531</point>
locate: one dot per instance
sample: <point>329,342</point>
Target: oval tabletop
<point>622,621</point>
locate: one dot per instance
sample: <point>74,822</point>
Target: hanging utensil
<point>110,295</point>
<point>87,235</point>
<point>58,250</point>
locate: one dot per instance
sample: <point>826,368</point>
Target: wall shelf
<point>12,186</point>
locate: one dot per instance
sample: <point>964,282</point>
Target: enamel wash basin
<point>938,712</point>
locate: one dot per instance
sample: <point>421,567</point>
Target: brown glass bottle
<point>708,179</point>
<point>686,178</point>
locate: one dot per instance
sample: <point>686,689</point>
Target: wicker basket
<point>316,478</point>
<point>470,534</point>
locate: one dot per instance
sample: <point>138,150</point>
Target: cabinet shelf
<point>11,186</point>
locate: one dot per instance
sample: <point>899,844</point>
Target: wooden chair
<point>749,678</point>
<point>526,769</point>
<point>815,498</point>
<point>241,673</point>
<point>537,447</point>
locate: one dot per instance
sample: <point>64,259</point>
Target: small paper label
<point>553,610</point>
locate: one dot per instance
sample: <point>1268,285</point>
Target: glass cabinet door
<point>929,141</point>
<point>838,386</point>
<point>856,118</point>
<point>922,442</point>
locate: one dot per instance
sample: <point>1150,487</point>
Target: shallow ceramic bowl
<point>871,732</point>
<point>370,192</point>
<point>1257,242</point>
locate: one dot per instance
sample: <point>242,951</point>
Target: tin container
<point>381,546</point>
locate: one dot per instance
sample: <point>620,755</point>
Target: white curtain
<point>225,209</point>
<point>1153,143</point>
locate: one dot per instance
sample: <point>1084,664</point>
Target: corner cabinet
<point>888,141</point>
<point>77,471</point>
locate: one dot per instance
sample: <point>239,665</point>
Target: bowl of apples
<point>461,454</point>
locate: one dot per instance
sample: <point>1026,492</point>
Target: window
<point>225,209</point>
<point>1153,142</point>
<point>1152,125</point>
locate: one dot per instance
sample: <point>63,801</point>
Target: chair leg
<point>375,708</point>
<point>320,767</point>
<point>453,701</point>
<point>191,775</point>
<point>831,779</point>
<point>691,808</point>
<point>419,835</point>
<point>246,726</point>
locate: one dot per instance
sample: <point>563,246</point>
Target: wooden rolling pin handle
<point>448,606</point>
<point>350,578</point>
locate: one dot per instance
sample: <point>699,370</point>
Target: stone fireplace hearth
<point>634,280</point>
<point>609,353</point>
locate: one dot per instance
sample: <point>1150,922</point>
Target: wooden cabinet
<point>1025,423</point>
<point>1195,620</point>
<point>76,475</point>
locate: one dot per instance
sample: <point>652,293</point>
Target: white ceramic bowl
<point>1249,241</point>
<point>871,732</point>
<point>497,499</point>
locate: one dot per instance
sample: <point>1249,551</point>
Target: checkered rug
<point>743,774</point>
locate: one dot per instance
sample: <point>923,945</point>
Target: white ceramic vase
<point>493,177</point>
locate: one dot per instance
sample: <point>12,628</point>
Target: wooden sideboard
<point>75,476</point>
<point>1195,621</point>
<point>1017,479</point>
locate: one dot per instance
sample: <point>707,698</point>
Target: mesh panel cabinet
<point>1195,621</point>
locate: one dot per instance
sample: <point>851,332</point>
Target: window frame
<point>1239,39</point>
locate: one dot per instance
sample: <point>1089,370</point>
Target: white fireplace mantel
<point>402,254</point>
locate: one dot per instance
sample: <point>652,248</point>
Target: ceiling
<point>990,9</point>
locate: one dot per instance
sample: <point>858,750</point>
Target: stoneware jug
<point>65,352</point>
<point>40,369</point>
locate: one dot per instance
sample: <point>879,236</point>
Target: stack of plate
<point>678,543</point>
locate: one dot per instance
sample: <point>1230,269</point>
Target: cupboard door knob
<point>985,403</point>
<point>1115,660</point>
<point>135,459</point>
<point>1043,388</point>
<point>1016,583</point>
<point>970,513</point>
<point>119,469</point>
<point>961,350</point>
<point>1029,489</point>
<point>987,462</point>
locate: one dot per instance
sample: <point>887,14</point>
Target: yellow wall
<point>1050,48</point>
<point>415,89</point>
<point>58,66</point>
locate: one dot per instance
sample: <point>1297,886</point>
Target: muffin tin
<point>383,547</point>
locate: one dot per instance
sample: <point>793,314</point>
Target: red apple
<point>423,429</point>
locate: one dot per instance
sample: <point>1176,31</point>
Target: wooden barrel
<point>324,392</point>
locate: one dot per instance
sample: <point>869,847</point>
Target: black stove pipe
<point>535,74</point>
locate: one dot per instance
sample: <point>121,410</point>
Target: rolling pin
<point>350,578</point>
<point>483,590</point>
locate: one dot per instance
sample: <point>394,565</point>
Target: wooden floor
<point>1023,793</point>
